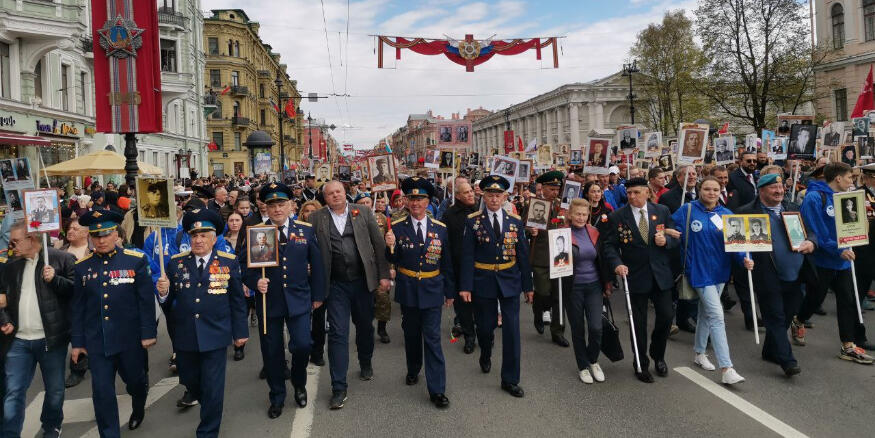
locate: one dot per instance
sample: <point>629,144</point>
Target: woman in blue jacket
<point>708,269</point>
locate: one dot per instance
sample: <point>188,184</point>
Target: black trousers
<point>778,302</point>
<point>664,313</point>
<point>465,314</point>
<point>865,275</point>
<point>585,318</point>
<point>317,332</point>
<point>846,310</point>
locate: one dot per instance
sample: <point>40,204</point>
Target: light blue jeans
<point>710,323</point>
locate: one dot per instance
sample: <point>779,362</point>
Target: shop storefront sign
<point>7,121</point>
<point>57,128</point>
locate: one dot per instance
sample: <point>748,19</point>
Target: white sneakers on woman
<point>702,360</point>
<point>597,372</point>
<point>730,377</point>
<point>585,376</point>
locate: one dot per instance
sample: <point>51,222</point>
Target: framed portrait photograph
<point>693,138</point>
<point>432,158</point>
<point>860,126</point>
<point>14,202</point>
<point>262,246</point>
<point>766,140</point>
<point>576,158</point>
<point>747,233</point>
<point>850,217</point>
<point>559,242</point>
<point>666,162</point>
<point>323,174</point>
<point>545,155</point>
<point>15,174</point>
<point>538,213</point>
<point>570,190</point>
<point>382,171</point>
<point>849,154</point>
<point>447,159</point>
<point>865,147</point>
<point>462,133</point>
<point>652,143</point>
<point>803,140</point>
<point>560,160</point>
<point>344,173</point>
<point>750,143</point>
<point>445,134</point>
<point>831,134</point>
<point>41,210</point>
<point>786,122</point>
<point>627,137</point>
<point>7,171</point>
<point>795,228</point>
<point>597,153</point>
<point>724,149</point>
<point>506,167</point>
<point>524,171</point>
<point>474,159</point>
<point>156,203</point>
<point>778,148</point>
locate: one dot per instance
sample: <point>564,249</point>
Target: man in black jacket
<point>455,218</point>
<point>743,180</point>
<point>672,198</point>
<point>38,304</point>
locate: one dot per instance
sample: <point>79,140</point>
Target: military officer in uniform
<point>292,290</point>
<point>416,245</point>
<point>495,269</point>
<point>202,294</point>
<point>113,320</point>
<point>546,290</point>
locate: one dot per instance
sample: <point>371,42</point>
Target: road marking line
<point>157,391</point>
<point>741,404</point>
<point>302,426</point>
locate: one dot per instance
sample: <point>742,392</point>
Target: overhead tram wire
<point>330,64</point>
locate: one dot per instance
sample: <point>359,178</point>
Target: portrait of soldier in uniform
<point>155,201</point>
<point>262,243</point>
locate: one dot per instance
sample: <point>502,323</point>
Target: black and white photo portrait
<point>802,140</point>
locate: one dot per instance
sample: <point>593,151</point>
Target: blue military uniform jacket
<point>494,267</point>
<point>298,281</point>
<point>113,302</point>
<point>207,311</point>
<point>425,271</point>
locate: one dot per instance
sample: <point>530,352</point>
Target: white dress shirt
<point>205,258</point>
<point>637,212</point>
<point>416,222</point>
<point>339,219</point>
<point>499,214</point>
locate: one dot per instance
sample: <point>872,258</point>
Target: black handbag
<point>611,347</point>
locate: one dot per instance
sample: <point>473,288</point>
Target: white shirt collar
<point>499,213</point>
<point>416,222</point>
<point>639,211</point>
<point>205,258</point>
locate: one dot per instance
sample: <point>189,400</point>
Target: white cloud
<point>381,99</point>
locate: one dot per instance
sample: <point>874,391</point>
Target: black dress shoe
<point>338,398</point>
<point>367,373</point>
<point>661,368</point>
<point>274,411</point>
<point>301,397</point>
<point>136,418</point>
<point>456,331</point>
<point>239,354</point>
<point>539,326</point>
<point>791,370</point>
<point>440,400</point>
<point>411,380</point>
<point>514,390</point>
<point>644,376</point>
<point>560,340</point>
<point>469,346</point>
<point>485,364</point>
<point>384,338</point>
<point>73,379</point>
<point>820,311</point>
<point>686,326</point>
<point>319,360</point>
<point>188,400</point>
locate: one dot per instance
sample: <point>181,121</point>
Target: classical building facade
<point>846,29</point>
<point>565,115</point>
<point>421,132</point>
<point>46,71</point>
<point>239,77</point>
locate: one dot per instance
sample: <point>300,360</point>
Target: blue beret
<point>772,178</point>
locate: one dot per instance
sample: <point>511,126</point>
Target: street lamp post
<point>279,94</point>
<point>310,136</point>
<point>628,70</point>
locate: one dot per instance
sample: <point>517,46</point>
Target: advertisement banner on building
<point>127,74</point>
<point>262,163</point>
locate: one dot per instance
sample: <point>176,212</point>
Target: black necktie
<point>419,232</point>
<point>200,267</point>
<point>283,238</point>
<point>495,225</point>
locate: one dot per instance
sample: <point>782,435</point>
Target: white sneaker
<point>547,317</point>
<point>730,377</point>
<point>597,372</point>
<point>702,361</point>
<point>585,376</point>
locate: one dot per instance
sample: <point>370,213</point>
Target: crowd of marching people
<point>345,253</point>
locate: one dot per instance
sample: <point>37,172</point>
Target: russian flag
<point>274,105</point>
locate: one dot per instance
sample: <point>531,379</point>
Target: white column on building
<point>539,128</point>
<point>574,125</point>
<point>590,113</point>
<point>600,115</point>
<point>548,128</point>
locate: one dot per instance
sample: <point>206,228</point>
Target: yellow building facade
<point>240,76</point>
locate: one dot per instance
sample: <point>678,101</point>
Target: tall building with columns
<point>565,115</point>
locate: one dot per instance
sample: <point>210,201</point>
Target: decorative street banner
<point>127,74</point>
<point>468,52</point>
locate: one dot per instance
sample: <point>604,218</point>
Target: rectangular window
<point>83,91</point>
<point>841,97</point>
<point>168,55</point>
<point>218,138</point>
<point>213,45</point>
<point>142,155</point>
<point>215,78</point>
<point>263,119</point>
<point>155,158</point>
<point>237,142</point>
<point>869,19</point>
<point>261,90</point>
<point>65,87</point>
<point>235,78</point>
<point>38,80</point>
<point>5,73</point>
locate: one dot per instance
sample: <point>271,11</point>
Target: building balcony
<point>175,84</point>
<point>264,74</point>
<point>167,16</point>
<point>87,45</point>
<point>238,121</point>
<point>239,90</point>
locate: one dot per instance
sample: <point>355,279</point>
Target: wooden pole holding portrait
<point>262,251</point>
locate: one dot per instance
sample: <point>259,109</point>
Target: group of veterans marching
<point>334,261</point>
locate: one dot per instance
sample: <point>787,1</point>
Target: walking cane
<point>632,325</point>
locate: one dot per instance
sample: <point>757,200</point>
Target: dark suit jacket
<point>746,192</point>
<point>672,199</point>
<point>648,264</point>
<point>368,239</point>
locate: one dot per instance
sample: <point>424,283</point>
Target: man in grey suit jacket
<point>354,252</point>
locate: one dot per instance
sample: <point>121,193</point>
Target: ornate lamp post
<point>628,70</point>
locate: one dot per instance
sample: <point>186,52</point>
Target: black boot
<point>381,331</point>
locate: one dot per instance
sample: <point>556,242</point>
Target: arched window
<point>869,19</point>
<point>838,26</point>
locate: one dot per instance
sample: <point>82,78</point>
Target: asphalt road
<point>830,398</point>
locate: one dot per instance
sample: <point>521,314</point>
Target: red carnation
<point>355,213</point>
<point>35,224</point>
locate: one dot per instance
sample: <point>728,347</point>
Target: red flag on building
<point>508,142</point>
<point>127,73</point>
<point>225,90</point>
<point>519,144</point>
<point>866,100</point>
<point>290,109</point>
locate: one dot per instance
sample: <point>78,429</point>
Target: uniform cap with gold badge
<point>868,169</point>
<point>552,178</point>
<point>202,219</point>
<point>417,187</point>
<point>274,191</point>
<point>100,222</point>
<point>494,183</point>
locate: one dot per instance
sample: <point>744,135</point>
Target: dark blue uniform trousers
<point>779,301</point>
<point>486,317</point>
<point>422,332</point>
<point>349,299</point>
<point>203,373</point>
<point>274,357</point>
<point>131,367</point>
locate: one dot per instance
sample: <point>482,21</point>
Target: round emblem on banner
<point>696,226</point>
<point>469,49</point>
<point>830,211</point>
<point>183,247</point>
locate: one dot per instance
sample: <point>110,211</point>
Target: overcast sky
<point>598,36</point>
